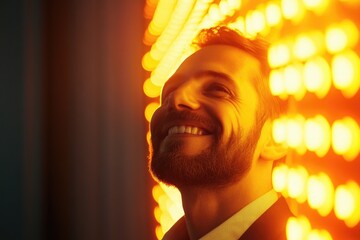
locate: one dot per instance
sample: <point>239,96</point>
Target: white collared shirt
<point>235,226</point>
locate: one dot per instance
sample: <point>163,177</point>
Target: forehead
<point>221,58</point>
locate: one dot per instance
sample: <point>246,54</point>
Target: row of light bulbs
<point>316,135</point>
<point>319,191</point>
<point>317,76</point>
<point>299,228</point>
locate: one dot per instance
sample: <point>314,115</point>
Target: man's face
<point>204,133</point>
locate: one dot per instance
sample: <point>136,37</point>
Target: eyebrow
<point>204,73</point>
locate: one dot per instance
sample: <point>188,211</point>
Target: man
<point>211,138</point>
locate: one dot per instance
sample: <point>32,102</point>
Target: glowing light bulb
<point>297,228</point>
<point>346,138</point>
<point>316,234</point>
<point>297,178</point>
<point>150,109</point>
<point>294,81</point>
<point>273,14</point>
<point>340,36</point>
<point>317,6</point>
<point>279,178</point>
<point>304,47</point>
<point>346,207</point>
<point>277,83</point>
<point>320,192</point>
<point>148,62</point>
<point>279,55</point>
<point>258,21</point>
<point>294,132</point>
<point>317,135</point>
<point>317,76</point>
<point>345,72</point>
<point>234,4</point>
<point>279,130</point>
<point>293,10</point>
<point>150,89</point>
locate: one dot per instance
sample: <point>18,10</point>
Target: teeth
<point>185,129</point>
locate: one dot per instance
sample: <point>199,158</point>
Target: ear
<point>271,150</point>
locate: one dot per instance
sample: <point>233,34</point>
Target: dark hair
<point>270,106</point>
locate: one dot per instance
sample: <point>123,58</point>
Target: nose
<point>186,96</point>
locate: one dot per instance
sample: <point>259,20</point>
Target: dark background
<point>73,148</point>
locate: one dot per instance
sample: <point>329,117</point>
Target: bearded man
<point>211,138</point>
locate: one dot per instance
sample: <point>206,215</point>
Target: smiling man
<point>211,138</point>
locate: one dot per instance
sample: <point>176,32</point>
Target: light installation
<point>315,62</point>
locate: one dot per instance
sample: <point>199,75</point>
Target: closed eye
<point>218,90</point>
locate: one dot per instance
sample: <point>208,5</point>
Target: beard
<point>225,162</point>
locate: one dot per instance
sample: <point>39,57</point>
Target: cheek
<point>230,120</point>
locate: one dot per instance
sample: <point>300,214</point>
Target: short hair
<point>270,106</point>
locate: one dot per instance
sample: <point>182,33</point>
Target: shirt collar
<point>235,226</point>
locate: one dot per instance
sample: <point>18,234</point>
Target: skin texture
<point>213,91</point>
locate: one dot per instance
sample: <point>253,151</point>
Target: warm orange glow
<point>345,72</point>
<point>279,130</point>
<point>340,36</point>
<point>273,14</point>
<point>238,24</point>
<point>159,232</point>
<point>148,62</point>
<point>347,208</point>
<point>317,76</point>
<point>148,137</point>
<point>214,12</point>
<point>255,22</point>
<point>277,83</point>
<point>346,138</point>
<point>306,58</point>
<point>161,17</point>
<point>279,55</point>
<point>150,89</point>
<point>317,135</point>
<point>293,78</point>
<point>297,178</point>
<point>169,208</point>
<point>297,228</point>
<point>316,234</point>
<point>293,9</point>
<point>150,109</point>
<point>317,6</point>
<point>280,178</point>
<point>320,193</point>
<point>294,132</point>
<point>304,47</point>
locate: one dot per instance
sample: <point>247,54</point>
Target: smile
<point>186,130</point>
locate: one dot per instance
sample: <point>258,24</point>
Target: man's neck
<point>206,208</point>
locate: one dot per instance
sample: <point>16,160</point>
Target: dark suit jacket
<point>271,225</point>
